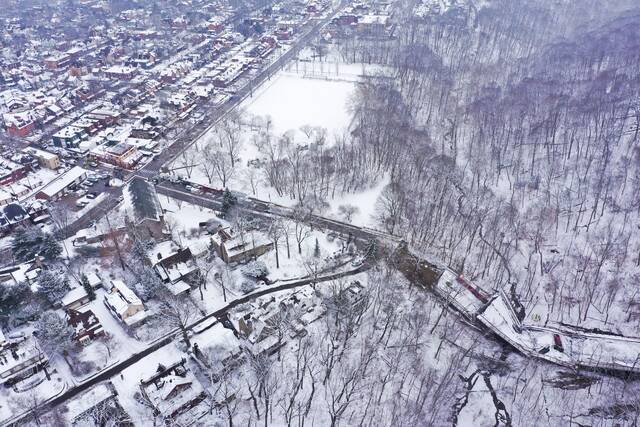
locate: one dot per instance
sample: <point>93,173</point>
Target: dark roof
<point>144,199</point>
<point>14,212</point>
<point>86,318</point>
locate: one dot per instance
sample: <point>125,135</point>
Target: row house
<point>45,159</point>
<point>11,172</point>
<point>119,72</point>
<point>57,62</point>
<point>123,155</point>
<point>20,124</point>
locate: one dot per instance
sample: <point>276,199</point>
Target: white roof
<point>94,279</point>
<point>136,318</point>
<point>40,153</point>
<point>74,295</point>
<point>166,398</point>
<point>178,287</point>
<point>63,181</point>
<point>373,19</point>
<point>4,196</point>
<point>26,354</point>
<point>88,400</point>
<point>118,304</point>
<point>126,293</point>
<point>68,131</point>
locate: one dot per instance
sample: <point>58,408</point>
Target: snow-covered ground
<point>293,101</point>
<point>313,94</point>
<point>13,404</point>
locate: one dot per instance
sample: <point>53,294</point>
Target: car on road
<point>193,189</point>
<point>93,164</point>
<point>357,262</point>
<point>91,196</point>
<point>81,203</point>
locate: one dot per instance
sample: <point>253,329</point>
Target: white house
<point>124,304</point>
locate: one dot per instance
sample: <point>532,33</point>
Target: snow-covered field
<point>293,101</point>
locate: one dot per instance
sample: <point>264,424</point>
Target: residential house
<point>75,298</point>
<point>94,280</point>
<point>19,124</point>
<point>176,269</point>
<point>269,323</point>
<point>26,272</point>
<point>175,393</point>
<point>239,247</point>
<point>98,405</point>
<point>124,304</point>
<point>85,324</point>
<point>11,171</point>
<point>69,137</point>
<point>45,159</point>
<point>12,215</point>
<point>373,25</point>
<point>105,116</point>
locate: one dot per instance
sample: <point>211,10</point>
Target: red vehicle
<point>476,293</point>
<point>557,343</point>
